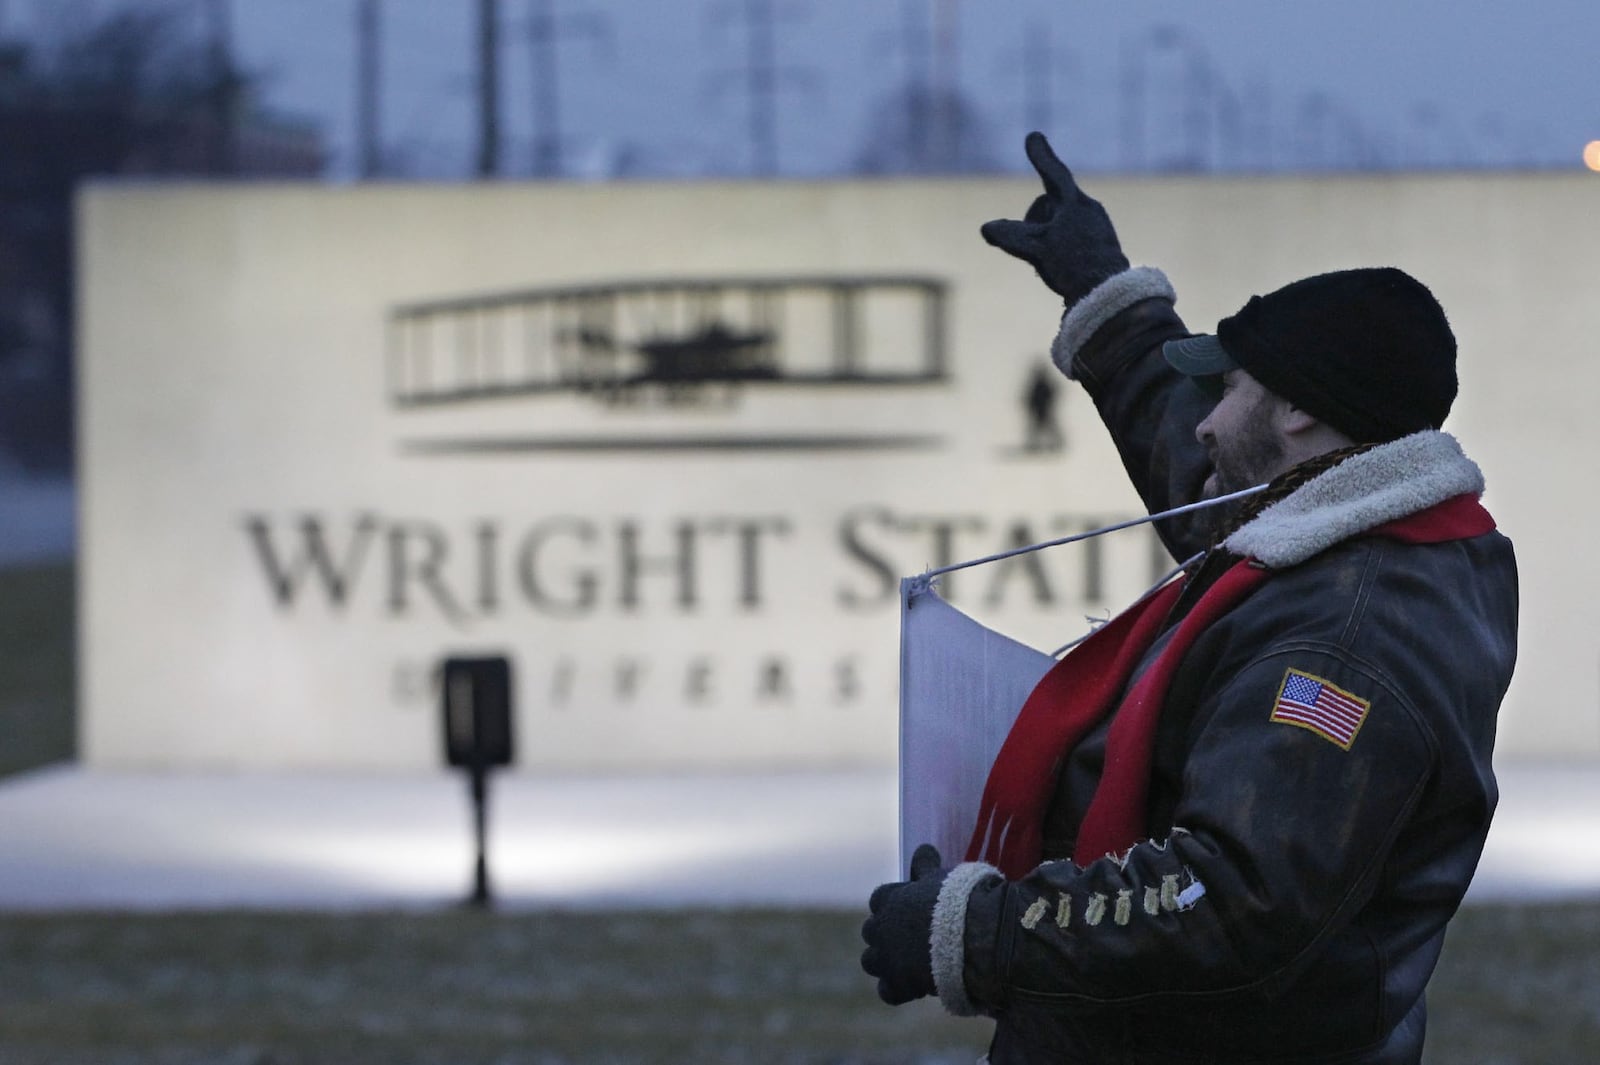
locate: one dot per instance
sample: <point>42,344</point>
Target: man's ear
<point>1293,420</point>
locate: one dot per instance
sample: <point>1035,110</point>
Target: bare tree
<point>129,93</point>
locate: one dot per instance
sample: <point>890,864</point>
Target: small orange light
<point>1591,155</point>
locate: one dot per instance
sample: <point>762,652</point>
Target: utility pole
<point>224,89</point>
<point>369,133</point>
<point>488,88</point>
<point>544,33</point>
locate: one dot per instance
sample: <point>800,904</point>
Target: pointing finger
<point>1058,180</point>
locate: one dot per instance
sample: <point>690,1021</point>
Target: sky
<point>656,84</point>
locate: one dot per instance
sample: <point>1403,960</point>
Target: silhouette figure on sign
<point>1043,432</point>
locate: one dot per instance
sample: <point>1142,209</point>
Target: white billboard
<point>669,448</point>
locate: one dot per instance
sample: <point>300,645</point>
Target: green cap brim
<point>1201,356</point>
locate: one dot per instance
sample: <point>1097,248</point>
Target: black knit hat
<point>1367,351</point>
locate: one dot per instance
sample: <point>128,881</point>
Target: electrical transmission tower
<point>763,77</point>
<point>545,31</point>
<point>917,43</point>
<point>1189,85</point>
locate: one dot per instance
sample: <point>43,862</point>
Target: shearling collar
<point>1391,481</point>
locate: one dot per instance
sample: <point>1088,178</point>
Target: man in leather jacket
<point>1249,848</point>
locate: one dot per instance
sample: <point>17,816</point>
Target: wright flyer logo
<point>1312,703</point>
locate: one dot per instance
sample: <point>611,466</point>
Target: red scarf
<point>1078,692</point>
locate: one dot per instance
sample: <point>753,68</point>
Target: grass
<point>453,987</point>
<point>1519,985</point>
<point>36,666</point>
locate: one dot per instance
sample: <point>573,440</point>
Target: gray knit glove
<point>1066,236</point>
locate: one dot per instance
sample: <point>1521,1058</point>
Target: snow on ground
<point>77,838</point>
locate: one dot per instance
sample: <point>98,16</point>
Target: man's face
<point>1241,436</point>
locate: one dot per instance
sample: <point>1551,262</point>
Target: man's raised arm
<point>1116,320</point>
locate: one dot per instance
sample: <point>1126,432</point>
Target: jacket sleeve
<point>1110,342</point>
<point>1283,837</point>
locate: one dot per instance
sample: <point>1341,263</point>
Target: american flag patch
<point>1312,703</point>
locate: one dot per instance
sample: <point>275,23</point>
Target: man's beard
<point>1253,458</point>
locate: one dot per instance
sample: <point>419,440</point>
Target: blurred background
<point>240,886</point>
<point>607,90</point>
